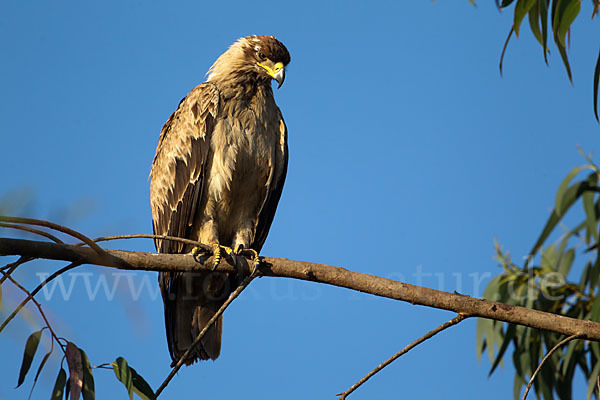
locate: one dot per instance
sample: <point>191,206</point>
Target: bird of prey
<point>216,178</point>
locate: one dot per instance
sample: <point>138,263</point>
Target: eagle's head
<point>253,58</point>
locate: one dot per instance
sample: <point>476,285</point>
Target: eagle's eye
<point>261,56</point>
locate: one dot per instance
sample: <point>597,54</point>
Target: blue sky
<point>409,154</point>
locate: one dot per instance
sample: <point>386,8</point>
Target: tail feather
<point>190,301</point>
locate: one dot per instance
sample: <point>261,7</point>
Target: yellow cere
<point>276,68</point>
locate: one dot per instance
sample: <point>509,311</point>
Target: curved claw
<point>196,253</point>
<point>248,253</point>
<point>217,254</point>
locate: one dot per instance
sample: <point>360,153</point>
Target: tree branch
<point>336,276</point>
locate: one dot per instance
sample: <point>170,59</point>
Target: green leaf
<point>544,19</point>
<point>596,84</point>
<point>59,385</point>
<point>592,380</point>
<point>567,199</point>
<point>88,379</point>
<point>521,9</point>
<point>569,353</point>
<point>123,373</point>
<point>545,381</point>
<point>566,261</point>
<point>506,3</point>
<point>508,337</point>
<point>46,357</point>
<point>534,22</point>
<point>549,258</point>
<point>594,274</point>
<point>589,208</point>
<point>564,13</point>
<point>559,202</point>
<point>479,342</point>
<point>595,312</point>
<point>585,276</point>
<point>141,387</point>
<point>30,348</point>
<point>567,12</point>
<point>517,385</point>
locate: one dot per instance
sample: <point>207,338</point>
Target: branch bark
<point>336,276</point>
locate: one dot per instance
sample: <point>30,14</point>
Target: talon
<point>248,253</point>
<point>238,248</point>
<point>217,254</point>
<point>196,253</point>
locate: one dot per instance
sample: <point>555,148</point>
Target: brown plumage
<point>217,177</point>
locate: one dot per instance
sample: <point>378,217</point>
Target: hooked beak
<point>277,72</point>
<point>280,77</point>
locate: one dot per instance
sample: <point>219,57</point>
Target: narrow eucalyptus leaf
<point>59,385</point>
<point>30,348</point>
<point>590,213</point>
<point>562,190</point>
<point>534,23</point>
<point>521,9</point>
<point>568,198</point>
<point>88,391</point>
<point>567,15</point>
<point>596,88</point>
<point>566,261</point>
<point>75,364</point>
<point>123,374</point>
<point>569,353</point>
<point>141,387</point>
<point>592,381</point>
<point>37,374</point>
<point>508,337</point>
<point>543,4</point>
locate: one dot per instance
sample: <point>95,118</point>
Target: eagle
<point>217,178</point>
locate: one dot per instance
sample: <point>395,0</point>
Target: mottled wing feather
<point>267,212</point>
<point>178,166</point>
<point>176,181</point>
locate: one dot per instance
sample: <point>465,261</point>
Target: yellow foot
<point>248,253</point>
<point>217,254</point>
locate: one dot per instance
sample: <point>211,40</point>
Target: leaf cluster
<point>80,382</point>
<point>550,18</point>
<point>545,286</point>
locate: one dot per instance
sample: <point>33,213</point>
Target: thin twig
<point>36,290</point>
<point>428,335</point>
<point>56,227</point>
<point>39,307</point>
<point>32,230</point>
<point>562,342</point>
<point>210,322</point>
<point>12,266</point>
<point>148,236</point>
<point>104,366</point>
